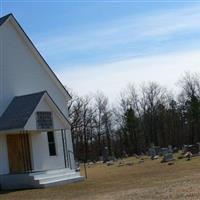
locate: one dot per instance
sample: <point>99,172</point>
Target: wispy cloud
<point>153,46</point>
<point>129,31</point>
<point>165,69</point>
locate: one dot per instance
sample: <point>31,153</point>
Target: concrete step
<point>61,182</point>
<point>40,179</point>
<point>53,175</point>
<point>56,178</point>
<point>64,178</point>
<point>56,171</point>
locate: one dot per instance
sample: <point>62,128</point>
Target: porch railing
<point>68,154</point>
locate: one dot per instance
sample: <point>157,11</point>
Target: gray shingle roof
<point>19,111</point>
<point>4,18</point>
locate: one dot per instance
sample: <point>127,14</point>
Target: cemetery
<point>133,178</point>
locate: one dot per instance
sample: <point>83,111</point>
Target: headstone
<point>112,158</point>
<point>164,151</point>
<point>194,149</point>
<point>101,158</point>
<point>175,150</point>
<point>157,149</point>
<point>170,149</point>
<point>168,157</point>
<point>155,157</point>
<point>77,165</point>
<point>109,163</point>
<point>188,155</point>
<point>152,153</point>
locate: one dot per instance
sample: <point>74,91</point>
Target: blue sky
<point>105,45</point>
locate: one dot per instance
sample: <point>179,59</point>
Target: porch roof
<point>19,111</point>
<point>4,18</point>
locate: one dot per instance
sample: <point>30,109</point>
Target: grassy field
<point>134,180</point>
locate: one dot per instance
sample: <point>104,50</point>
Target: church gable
<point>24,69</point>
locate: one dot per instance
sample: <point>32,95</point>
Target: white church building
<point>36,148</point>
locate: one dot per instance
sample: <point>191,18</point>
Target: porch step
<point>52,174</point>
<point>61,181</point>
<point>40,179</point>
<point>56,177</point>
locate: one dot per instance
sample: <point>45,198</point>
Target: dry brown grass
<point>148,180</point>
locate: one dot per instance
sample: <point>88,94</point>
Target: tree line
<point>150,114</point>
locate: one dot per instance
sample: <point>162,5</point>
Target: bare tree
<point>153,97</point>
<point>150,114</point>
<point>103,122</point>
<point>190,102</point>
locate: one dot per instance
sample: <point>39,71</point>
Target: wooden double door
<point>19,153</point>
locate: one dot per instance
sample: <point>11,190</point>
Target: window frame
<point>38,125</point>
<point>51,143</point>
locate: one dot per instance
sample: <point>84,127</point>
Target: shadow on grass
<point>16,190</point>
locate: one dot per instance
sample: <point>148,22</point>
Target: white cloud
<point>164,29</point>
<point>112,77</point>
